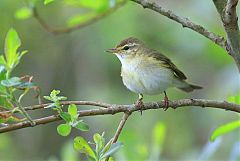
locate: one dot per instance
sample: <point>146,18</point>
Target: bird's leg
<point>139,102</point>
<point>166,103</point>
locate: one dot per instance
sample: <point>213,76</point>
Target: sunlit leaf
<point>107,146</point>
<point>12,43</point>
<point>78,19</point>
<point>225,129</point>
<point>47,98</point>
<point>64,129</point>
<point>99,141</point>
<point>23,13</point>
<point>110,159</point>
<point>5,103</point>
<point>2,72</point>
<point>81,145</point>
<point>3,61</point>
<point>114,148</point>
<point>18,57</point>
<point>14,81</point>
<point>80,125</point>
<point>97,5</point>
<point>46,2</point>
<point>65,116</point>
<point>72,110</point>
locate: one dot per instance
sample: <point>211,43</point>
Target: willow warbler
<point>146,71</point>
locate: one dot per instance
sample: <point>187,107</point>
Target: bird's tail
<point>186,87</point>
<point>190,88</point>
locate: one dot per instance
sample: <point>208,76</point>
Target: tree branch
<point>119,129</point>
<point>114,109</point>
<point>57,31</point>
<point>185,22</point>
<point>227,11</point>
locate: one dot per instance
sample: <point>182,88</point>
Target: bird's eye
<point>126,48</point>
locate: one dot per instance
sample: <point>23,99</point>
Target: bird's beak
<point>113,50</point>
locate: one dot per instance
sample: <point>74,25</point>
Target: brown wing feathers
<point>168,63</point>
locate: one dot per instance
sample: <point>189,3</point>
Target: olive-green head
<point>126,47</point>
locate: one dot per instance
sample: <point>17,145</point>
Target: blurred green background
<point>77,64</point>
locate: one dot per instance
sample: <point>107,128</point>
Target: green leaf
<point>107,146</point>
<point>80,125</point>
<point>2,73</point>
<point>110,159</point>
<point>47,98</point>
<point>2,77</point>
<point>5,103</point>
<point>18,57</point>
<point>12,43</point>
<point>26,85</point>
<point>114,148</point>
<point>65,116</point>
<point>99,141</point>
<point>14,81</point>
<point>78,19</point>
<point>54,93</point>
<point>23,13</point>
<point>54,96</point>
<point>234,99</point>
<point>97,5</point>
<point>64,129</point>
<point>3,61</point>
<point>225,129</point>
<point>81,145</point>
<point>46,2</point>
<point>72,110</point>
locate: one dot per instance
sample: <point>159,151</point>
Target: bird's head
<point>127,48</point>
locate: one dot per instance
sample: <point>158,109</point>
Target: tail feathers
<point>190,88</point>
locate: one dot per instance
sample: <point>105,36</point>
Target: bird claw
<point>139,104</point>
<point>166,102</point>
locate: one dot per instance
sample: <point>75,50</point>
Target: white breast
<point>148,79</point>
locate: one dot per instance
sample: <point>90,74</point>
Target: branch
<point>114,109</point>
<point>119,129</point>
<point>185,22</point>
<point>57,31</point>
<point>227,11</point>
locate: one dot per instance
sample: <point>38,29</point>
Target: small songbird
<point>146,71</point>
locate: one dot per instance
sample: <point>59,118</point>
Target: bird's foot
<point>166,102</point>
<point>139,104</point>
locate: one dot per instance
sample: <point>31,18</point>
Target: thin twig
<point>57,31</point>
<point>35,107</point>
<point>185,22</point>
<point>120,126</point>
<point>119,129</point>
<point>114,109</point>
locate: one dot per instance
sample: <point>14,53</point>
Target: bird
<point>147,71</point>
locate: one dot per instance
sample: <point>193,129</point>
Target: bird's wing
<point>166,62</point>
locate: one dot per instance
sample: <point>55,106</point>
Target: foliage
<point>70,117</point>
<point>10,85</point>
<point>94,8</point>
<point>225,129</point>
<point>102,150</point>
